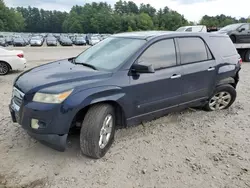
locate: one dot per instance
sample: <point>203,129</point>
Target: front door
<point>198,69</point>
<point>157,91</point>
<point>244,35</point>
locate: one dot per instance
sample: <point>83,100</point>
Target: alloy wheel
<point>220,100</point>
<point>106,131</point>
<point>3,68</point>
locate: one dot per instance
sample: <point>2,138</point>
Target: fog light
<point>34,123</point>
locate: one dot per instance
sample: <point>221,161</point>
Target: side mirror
<point>242,29</point>
<point>139,68</point>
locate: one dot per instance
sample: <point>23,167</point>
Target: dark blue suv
<point>124,80</point>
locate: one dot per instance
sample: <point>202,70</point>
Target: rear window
<point>193,49</point>
<point>223,46</point>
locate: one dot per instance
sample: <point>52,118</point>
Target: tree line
<point>101,18</point>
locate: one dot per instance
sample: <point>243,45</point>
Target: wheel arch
<point>231,81</point>
<point>119,112</point>
<point>7,64</point>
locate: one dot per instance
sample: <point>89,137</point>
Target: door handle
<point>175,76</point>
<point>210,69</point>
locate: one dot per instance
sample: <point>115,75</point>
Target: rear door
<point>198,69</point>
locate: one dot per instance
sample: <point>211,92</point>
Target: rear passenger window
<point>223,45</point>
<point>160,54</point>
<point>193,49</point>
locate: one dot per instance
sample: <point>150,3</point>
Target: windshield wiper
<point>87,65</point>
<point>73,60</point>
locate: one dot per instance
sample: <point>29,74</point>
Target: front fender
<point>94,95</point>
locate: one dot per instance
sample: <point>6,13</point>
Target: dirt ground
<point>188,149</point>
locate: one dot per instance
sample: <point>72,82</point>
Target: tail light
<point>20,55</point>
<point>240,61</point>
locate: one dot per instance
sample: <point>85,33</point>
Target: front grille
<point>17,96</point>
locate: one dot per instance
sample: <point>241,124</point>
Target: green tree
<point>130,29</point>
<point>10,19</point>
<point>148,9</point>
<point>144,22</point>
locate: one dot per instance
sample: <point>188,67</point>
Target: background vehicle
<point>36,41</point>
<point>195,28</point>
<point>3,42</point>
<point>239,33</point>
<point>94,40</point>
<point>95,91</point>
<point>51,41</point>
<point>65,41</point>
<point>27,40</point>
<point>80,41</point>
<point>11,60</point>
<point>19,42</point>
<point>9,40</point>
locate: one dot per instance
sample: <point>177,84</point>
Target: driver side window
<point>161,54</point>
<point>245,26</point>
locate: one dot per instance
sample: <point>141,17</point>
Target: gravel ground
<point>187,149</point>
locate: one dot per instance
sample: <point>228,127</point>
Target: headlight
<point>51,98</point>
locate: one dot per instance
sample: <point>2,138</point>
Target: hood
<point>58,76</point>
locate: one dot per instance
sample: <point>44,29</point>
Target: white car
<point>194,28</point>
<point>11,60</point>
<point>94,40</point>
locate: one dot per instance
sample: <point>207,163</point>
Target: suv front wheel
<point>98,130</point>
<point>223,97</point>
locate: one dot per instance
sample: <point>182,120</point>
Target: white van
<point>194,28</point>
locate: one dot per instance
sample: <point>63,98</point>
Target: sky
<point>193,10</point>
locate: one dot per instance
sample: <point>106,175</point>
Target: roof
<point>142,34</point>
<point>146,35</point>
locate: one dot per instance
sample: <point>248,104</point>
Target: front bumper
<point>36,44</point>
<point>53,141</point>
<point>51,44</point>
<point>56,125</point>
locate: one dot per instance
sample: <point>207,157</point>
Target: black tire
<point>223,88</point>
<point>91,130</point>
<point>233,38</point>
<point>4,68</point>
<point>247,56</point>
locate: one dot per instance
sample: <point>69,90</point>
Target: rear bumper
<point>19,64</point>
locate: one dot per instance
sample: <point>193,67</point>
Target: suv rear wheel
<point>223,97</point>
<point>98,130</point>
<point>247,56</point>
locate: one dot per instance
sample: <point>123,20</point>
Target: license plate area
<point>14,115</point>
<point>14,111</point>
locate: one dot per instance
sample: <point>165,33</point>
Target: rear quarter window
<point>223,46</point>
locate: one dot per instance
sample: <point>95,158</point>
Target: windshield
<point>19,40</point>
<point>110,53</point>
<point>231,27</point>
<point>35,38</point>
<point>79,38</point>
